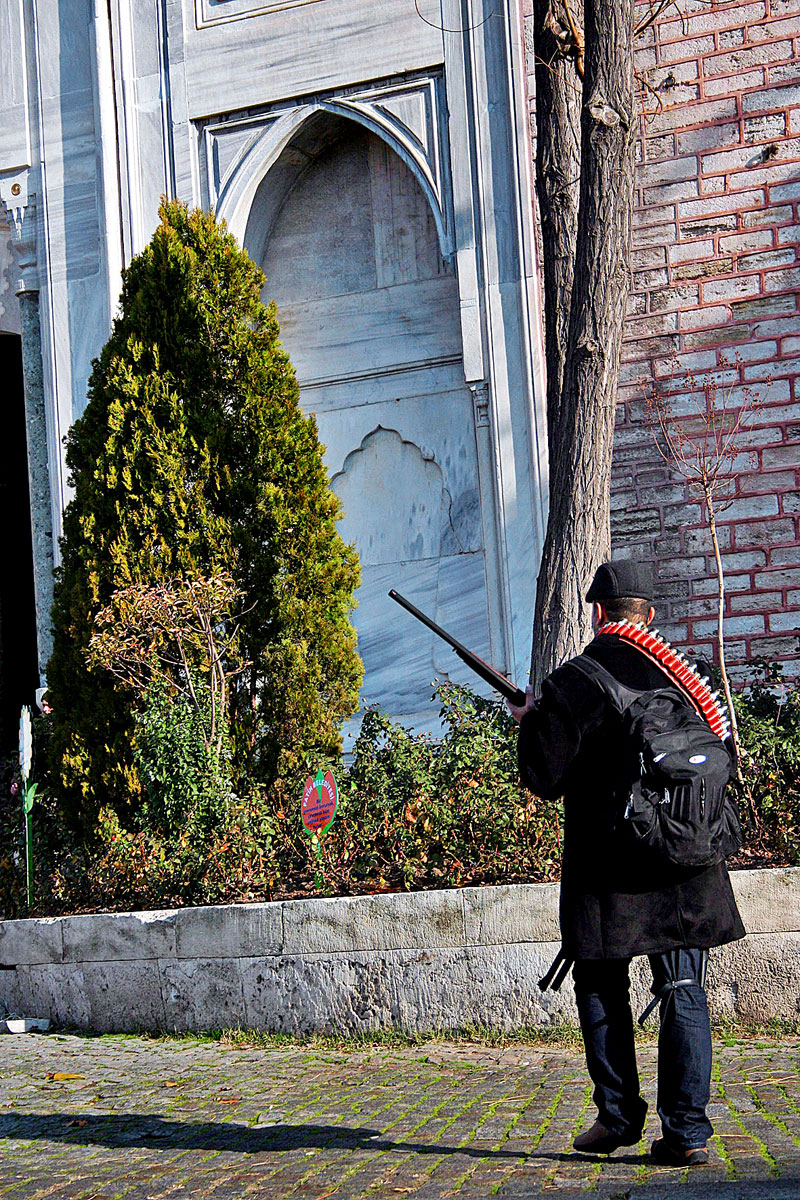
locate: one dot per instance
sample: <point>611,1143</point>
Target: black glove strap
<point>556,973</point>
<point>670,988</point>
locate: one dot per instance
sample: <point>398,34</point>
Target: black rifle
<point>499,682</point>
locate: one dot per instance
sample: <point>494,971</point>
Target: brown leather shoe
<point>674,1156</point>
<point>599,1140</point>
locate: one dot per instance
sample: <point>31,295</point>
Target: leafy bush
<point>193,457</point>
<point>174,647</point>
<point>768,712</point>
<point>414,813</point>
<point>185,781</point>
<point>420,813</point>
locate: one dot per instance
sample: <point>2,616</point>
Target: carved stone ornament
<point>480,395</point>
<point>20,205</point>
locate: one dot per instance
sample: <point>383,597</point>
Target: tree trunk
<point>578,527</point>
<point>558,171</point>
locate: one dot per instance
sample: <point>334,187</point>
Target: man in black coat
<point>613,904</point>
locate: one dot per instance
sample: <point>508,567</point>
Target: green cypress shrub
<point>193,456</point>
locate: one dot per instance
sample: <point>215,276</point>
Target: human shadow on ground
<point>118,1131</point>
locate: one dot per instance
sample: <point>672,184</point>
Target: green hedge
<point>414,813</point>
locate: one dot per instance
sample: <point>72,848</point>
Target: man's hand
<point>519,713</point>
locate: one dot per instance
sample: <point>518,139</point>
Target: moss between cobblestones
<point>562,1036</point>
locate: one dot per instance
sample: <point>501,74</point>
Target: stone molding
<point>414,961</point>
<point>237,153</point>
<point>213,12</point>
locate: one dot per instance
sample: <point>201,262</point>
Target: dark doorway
<point>19,676</point>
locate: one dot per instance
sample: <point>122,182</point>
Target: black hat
<point>622,577</point>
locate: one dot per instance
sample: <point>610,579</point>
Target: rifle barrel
<point>481,668</point>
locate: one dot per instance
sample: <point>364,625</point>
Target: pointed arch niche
<point>369,312</point>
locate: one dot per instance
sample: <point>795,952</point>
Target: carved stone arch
<point>390,522</point>
<point>407,147</point>
<point>369,311</point>
<point>266,148</point>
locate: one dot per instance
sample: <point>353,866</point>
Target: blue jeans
<point>684,1046</point>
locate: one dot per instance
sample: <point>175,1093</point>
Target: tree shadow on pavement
<point>118,1131</point>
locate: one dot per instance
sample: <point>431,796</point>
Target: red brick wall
<point>715,281</point>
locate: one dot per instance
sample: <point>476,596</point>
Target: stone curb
<point>414,961</point>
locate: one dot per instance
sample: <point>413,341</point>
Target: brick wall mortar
<point>715,284</point>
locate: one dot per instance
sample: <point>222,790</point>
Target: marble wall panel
<point>417,385</point>
<point>298,50</point>
<point>397,648</point>
<point>770,899</point>
<point>501,988</point>
<point>124,996</point>
<point>88,306</point>
<point>11,1004</point>
<point>222,931</point>
<point>149,135</point>
<point>394,501</point>
<point>403,658</point>
<point>756,979</point>
<point>36,940</point>
<point>511,913</point>
<point>55,991</point>
<point>9,306</point>
<point>461,610</point>
<point>73,211</point>
<point>360,334</point>
<point>15,149</point>
<point>440,424</point>
<point>322,242</point>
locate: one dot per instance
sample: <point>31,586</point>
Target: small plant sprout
<point>700,427</point>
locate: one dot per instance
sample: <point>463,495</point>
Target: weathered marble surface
<point>9,308</point>
<point>227,67</point>
<point>364,299</point>
<point>395,226</point>
<point>412,961</point>
<point>15,147</point>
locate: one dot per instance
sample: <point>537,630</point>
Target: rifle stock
<point>481,668</point>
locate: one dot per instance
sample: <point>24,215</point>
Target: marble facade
<point>373,157</point>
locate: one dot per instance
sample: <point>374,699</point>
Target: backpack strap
<point>621,697</point>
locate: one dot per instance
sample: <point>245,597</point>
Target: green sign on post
<point>28,795</point>
<point>318,810</point>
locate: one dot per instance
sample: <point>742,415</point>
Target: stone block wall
<point>412,961</point>
<point>714,296</point>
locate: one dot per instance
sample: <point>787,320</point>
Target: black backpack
<point>677,808</point>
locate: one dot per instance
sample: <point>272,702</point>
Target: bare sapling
<point>175,633</point>
<point>701,433</point>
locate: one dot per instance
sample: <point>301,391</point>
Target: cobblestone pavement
<point>100,1118</point>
